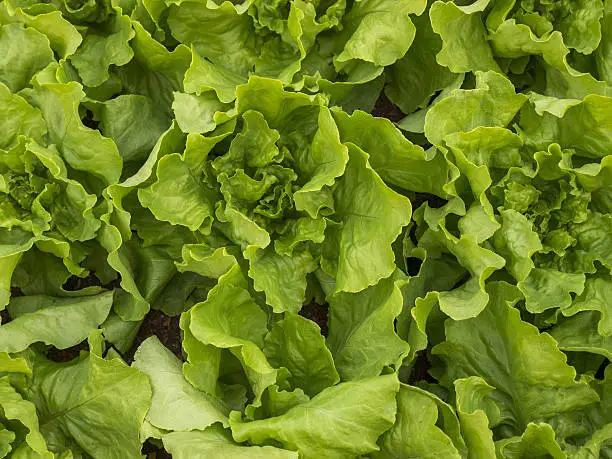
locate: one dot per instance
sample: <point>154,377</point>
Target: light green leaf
<point>101,49</point>
<point>177,197</point>
<point>218,32</point>
<point>15,408</point>
<point>82,148</point>
<point>20,119</point>
<point>517,242</point>
<point>596,297</point>
<point>296,343</point>
<point>282,278</point>
<point>533,382</point>
<point>195,114</point>
<point>25,52</point>
<point>548,288</point>
<point>415,433</point>
<point>474,409</point>
<point>394,158</point>
<point>577,334</point>
<point>465,47</point>
<point>216,441</point>
<point>97,405</point>
<point>492,103</point>
<point>43,318</point>
<point>361,336</point>
<point>203,76</point>
<point>176,404</point>
<point>380,31</point>
<point>358,253</point>
<point>586,127</point>
<point>538,440</point>
<point>342,421</point>
<point>230,319</point>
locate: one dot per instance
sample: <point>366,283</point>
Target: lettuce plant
<point>434,284</point>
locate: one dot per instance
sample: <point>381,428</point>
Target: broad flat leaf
<point>217,442</point>
<point>415,432</point>
<point>342,421</point>
<point>176,404</point>
<point>362,337</point>
<point>463,34</point>
<point>492,103</point>
<point>16,408</point>
<point>26,51</point>
<point>282,278</point>
<point>533,382</point>
<point>95,404</point>
<point>43,318</point>
<point>372,216</point>
<point>167,195</point>
<point>296,343</point>
<point>101,50</point>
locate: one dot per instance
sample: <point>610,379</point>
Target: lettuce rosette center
<point>276,186</point>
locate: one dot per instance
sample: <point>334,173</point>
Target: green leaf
<point>394,158</point>
<point>512,40</point>
<point>63,36</point>
<point>154,71</point>
<point>465,47</point>
<point>417,76</point>
<point>322,165</point>
<point>296,343</point>
<point>577,334</point>
<point>415,432</point>
<point>195,114</point>
<point>342,421</point>
<point>218,32</point>
<point>203,76</point>
<point>538,440</point>
<point>585,126</point>
<point>20,119</point>
<point>362,337</point>
<point>25,52</point>
<point>533,382</point>
<point>474,409</point>
<point>95,404</point>
<point>380,31</point>
<point>358,253</point>
<point>492,103</point>
<point>15,408</point>
<point>103,48</point>
<point>176,404</point>
<point>216,441</point>
<point>282,278</point>
<point>230,319</point>
<point>167,195</point>
<point>603,52</point>
<point>595,298</point>
<point>548,288</point>
<point>44,318</point>
<point>517,242</point>
<point>82,148</point>
<point>206,261</point>
<point>134,123</point>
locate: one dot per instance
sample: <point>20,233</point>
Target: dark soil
<point>384,108</point>
<point>66,355</point>
<point>158,324</point>
<point>420,370</point>
<point>318,314</point>
<point>154,452</point>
